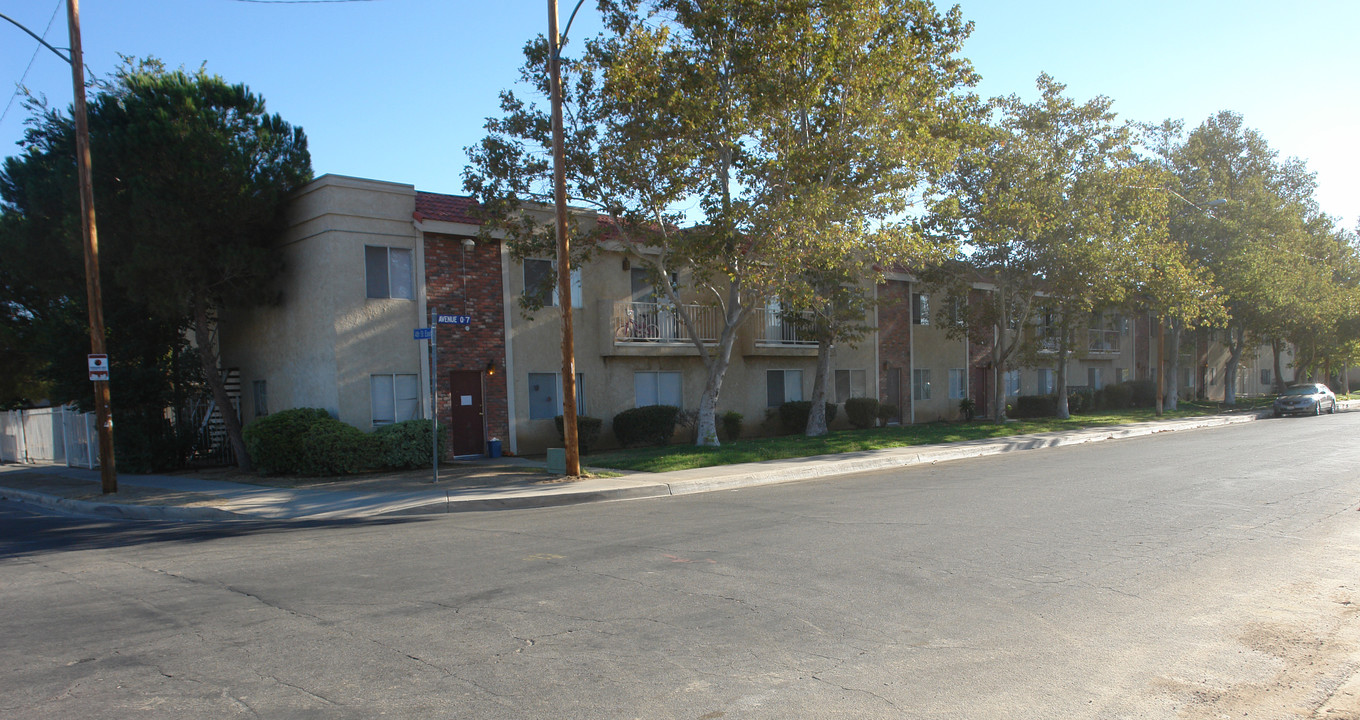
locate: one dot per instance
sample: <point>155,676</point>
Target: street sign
<point>422,334</point>
<point>99,368</point>
<point>454,319</point>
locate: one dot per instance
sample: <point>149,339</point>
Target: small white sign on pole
<point>99,368</point>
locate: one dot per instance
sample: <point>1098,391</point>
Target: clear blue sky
<point>395,89</point>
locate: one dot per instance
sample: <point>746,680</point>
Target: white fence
<point>49,435</point>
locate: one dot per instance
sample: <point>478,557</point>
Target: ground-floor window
<point>657,388</point>
<point>261,398</point>
<point>394,398</point>
<point>920,384</point>
<point>1044,380</point>
<point>851,384</point>
<point>1012,383</point>
<point>957,383</point>
<point>783,386</point>
<point>545,395</point>
<point>1093,378</point>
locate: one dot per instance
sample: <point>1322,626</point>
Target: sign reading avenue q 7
<point>454,319</point>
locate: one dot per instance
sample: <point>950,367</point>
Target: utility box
<point>557,461</point>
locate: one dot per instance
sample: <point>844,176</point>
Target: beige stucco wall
<point>608,370</point>
<point>318,346</point>
<point>1252,362</point>
<point>933,350</point>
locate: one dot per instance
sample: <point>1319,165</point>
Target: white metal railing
<point>1103,341</point>
<point>775,329</point>
<point>650,322</point>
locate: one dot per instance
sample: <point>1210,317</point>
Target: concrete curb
<point>119,511</point>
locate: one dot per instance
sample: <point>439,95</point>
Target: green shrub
<point>1080,401</point>
<point>1035,406</point>
<point>793,415</point>
<point>274,441</point>
<point>1118,396</point>
<point>587,431</point>
<point>968,409</point>
<point>861,412</point>
<point>1144,393</point>
<point>406,445</point>
<point>330,447</point>
<point>731,425</point>
<point>886,412</point>
<point>648,425</point>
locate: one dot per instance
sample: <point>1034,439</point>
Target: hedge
<point>793,416</point>
<point>862,412</point>
<point>406,445</point>
<point>587,431</point>
<point>274,441</point>
<point>1034,406</point>
<point>647,425</point>
<point>731,425</point>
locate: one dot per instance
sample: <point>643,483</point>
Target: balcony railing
<point>775,329</point>
<point>660,323</point>
<point>1103,341</point>
<point>1100,342</point>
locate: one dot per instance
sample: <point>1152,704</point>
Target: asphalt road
<point>1199,574</point>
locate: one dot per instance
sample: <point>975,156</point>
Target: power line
<point>18,87</point>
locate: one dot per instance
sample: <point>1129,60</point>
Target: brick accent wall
<point>462,281</point>
<point>894,342</point>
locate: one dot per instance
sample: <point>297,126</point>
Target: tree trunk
<point>1173,366</point>
<point>1236,342</point>
<point>1277,384</point>
<point>816,424</point>
<point>1060,382</point>
<point>707,432</point>
<point>207,356</point>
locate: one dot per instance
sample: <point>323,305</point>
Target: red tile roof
<point>449,208</point>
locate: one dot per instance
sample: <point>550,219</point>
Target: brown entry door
<point>466,429</point>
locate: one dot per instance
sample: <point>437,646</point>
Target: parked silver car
<point>1308,398</point>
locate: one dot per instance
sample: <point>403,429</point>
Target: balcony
<point>649,328</point>
<point>1103,342</point>
<point>774,330</point>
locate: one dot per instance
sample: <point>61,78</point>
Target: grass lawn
<point>684,457</point>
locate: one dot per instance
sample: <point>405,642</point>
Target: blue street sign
<point>422,333</point>
<point>454,319</point>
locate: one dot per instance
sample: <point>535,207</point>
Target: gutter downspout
<point>911,349</point>
<point>507,304</point>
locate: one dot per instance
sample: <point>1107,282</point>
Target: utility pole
<point>108,475</point>
<point>563,248</point>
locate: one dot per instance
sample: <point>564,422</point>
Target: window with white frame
<point>1012,383</point>
<point>1044,382</point>
<point>958,383</point>
<point>851,384</point>
<point>540,281</point>
<point>387,272</point>
<point>1265,377</point>
<point>545,395</point>
<point>261,395</point>
<point>920,384</point>
<point>657,388</point>
<point>1121,375</point>
<point>394,398</point>
<point>783,386</point>
<point>920,309</point>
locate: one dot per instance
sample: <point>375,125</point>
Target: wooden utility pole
<point>108,475</point>
<point>563,249</point>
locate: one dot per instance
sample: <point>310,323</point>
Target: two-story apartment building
<point>371,263</point>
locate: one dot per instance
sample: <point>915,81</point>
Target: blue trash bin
<point>493,448</point>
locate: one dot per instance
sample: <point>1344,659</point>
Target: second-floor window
<point>387,272</point>
<point>920,309</point>
<point>540,281</point>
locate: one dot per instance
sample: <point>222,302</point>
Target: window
<point>1189,377</point>
<point>388,272</point>
<point>920,384</point>
<point>1093,378</point>
<point>1121,375</point>
<point>1265,377</point>
<point>261,398</point>
<point>783,386</point>
<point>1213,375</point>
<point>540,281</point>
<point>956,312</point>
<point>545,395</point>
<point>394,398</point>
<point>957,384</point>
<point>851,384</point>
<point>1045,382</point>
<point>656,388</point>
<point>1012,383</point>
<point>920,309</point>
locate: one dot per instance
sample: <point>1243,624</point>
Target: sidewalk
<point>487,484</point>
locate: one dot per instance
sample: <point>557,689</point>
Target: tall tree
<point>1053,218</point>
<point>778,124</point>
<point>192,178</point>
